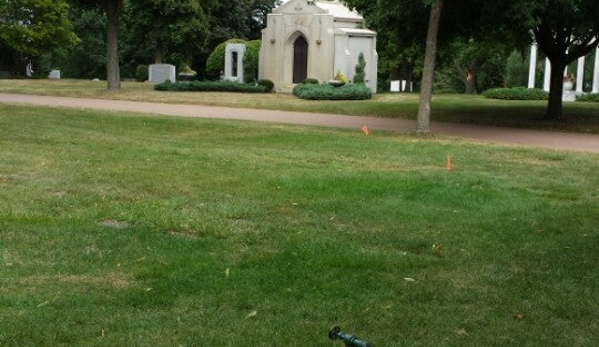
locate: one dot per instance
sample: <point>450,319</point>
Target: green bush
<point>360,76</point>
<point>212,86</point>
<point>268,84</point>
<point>518,93</point>
<point>141,73</point>
<point>251,60</point>
<point>311,81</point>
<point>588,98</point>
<point>327,92</point>
<point>516,71</point>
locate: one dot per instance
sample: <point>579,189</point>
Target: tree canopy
<point>565,30</point>
<point>173,29</point>
<point>31,28</point>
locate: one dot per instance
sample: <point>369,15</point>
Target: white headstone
<point>159,73</point>
<point>580,75</point>
<point>54,74</point>
<point>532,67</point>
<point>234,53</point>
<point>547,77</point>
<point>596,72</point>
<point>395,86</point>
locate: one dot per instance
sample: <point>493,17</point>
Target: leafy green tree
<point>32,28</point>
<point>88,58</point>
<point>564,30</point>
<point>174,29</point>
<point>401,34</point>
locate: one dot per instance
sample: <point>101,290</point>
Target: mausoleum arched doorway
<point>300,59</point>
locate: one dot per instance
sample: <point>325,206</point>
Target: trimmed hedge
<point>355,91</point>
<point>588,98</point>
<point>518,93</point>
<point>264,86</point>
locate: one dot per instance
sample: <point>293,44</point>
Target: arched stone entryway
<point>300,59</point>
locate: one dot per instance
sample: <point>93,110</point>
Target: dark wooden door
<point>300,60</point>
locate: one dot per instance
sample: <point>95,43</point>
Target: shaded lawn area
<point>469,109</point>
<point>117,229</point>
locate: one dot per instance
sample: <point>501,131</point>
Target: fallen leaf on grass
<point>252,314</point>
<point>518,316</point>
<point>409,279</point>
<point>461,331</point>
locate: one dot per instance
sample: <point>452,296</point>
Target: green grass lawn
<point>124,230</point>
<point>470,109</point>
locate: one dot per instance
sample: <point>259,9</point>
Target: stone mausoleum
<point>315,39</point>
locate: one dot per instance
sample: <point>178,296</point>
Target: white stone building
<point>315,39</point>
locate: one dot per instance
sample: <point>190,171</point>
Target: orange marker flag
<point>365,130</point>
<point>448,164</point>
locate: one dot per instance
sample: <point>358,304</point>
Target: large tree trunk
<point>471,77</point>
<point>158,55</point>
<point>426,92</point>
<point>113,74</point>
<point>556,89</point>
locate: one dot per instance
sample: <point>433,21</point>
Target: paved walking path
<point>524,137</point>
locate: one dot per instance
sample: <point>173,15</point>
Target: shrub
<point>267,84</point>
<point>327,92</point>
<point>360,76</point>
<point>311,81</point>
<point>519,93</point>
<point>211,86</point>
<point>251,60</point>
<point>141,73</point>
<point>516,73</point>
<point>588,98</point>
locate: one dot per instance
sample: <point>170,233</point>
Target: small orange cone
<point>365,130</point>
<point>448,164</point>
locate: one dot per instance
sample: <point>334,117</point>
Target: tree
<point>87,59</point>
<point>173,29</point>
<point>401,34</point>
<point>113,10</point>
<point>424,107</point>
<point>31,28</point>
<point>565,30</point>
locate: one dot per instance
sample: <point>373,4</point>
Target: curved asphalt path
<point>523,137</point>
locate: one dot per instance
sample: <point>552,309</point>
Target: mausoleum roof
<point>339,10</point>
<point>335,8</point>
<point>356,32</point>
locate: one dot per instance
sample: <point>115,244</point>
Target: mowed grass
<point>125,230</point>
<point>471,109</point>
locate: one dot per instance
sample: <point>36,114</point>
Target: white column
<point>547,78</point>
<point>580,75</point>
<point>596,73</point>
<point>533,66</point>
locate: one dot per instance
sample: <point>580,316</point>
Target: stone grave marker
<point>159,73</point>
<point>234,53</point>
